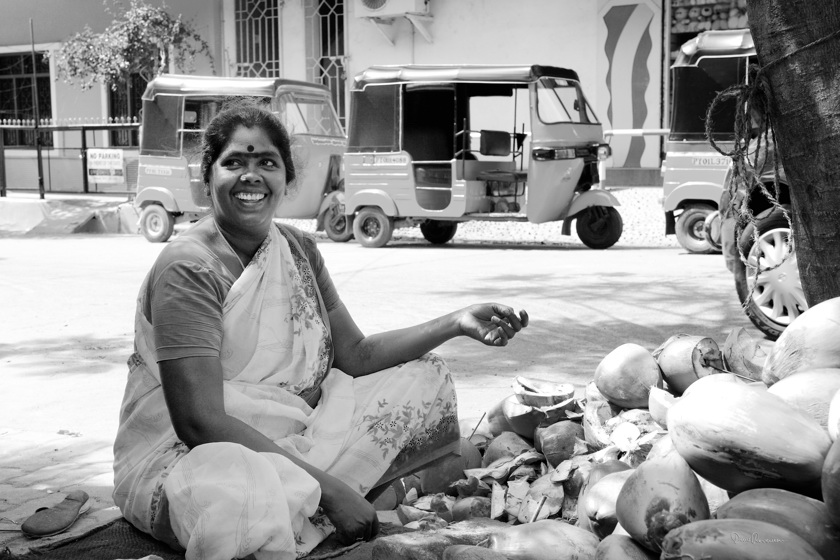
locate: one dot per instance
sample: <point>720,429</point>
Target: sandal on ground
<point>46,522</point>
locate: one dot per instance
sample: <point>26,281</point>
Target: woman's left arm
<point>492,324</point>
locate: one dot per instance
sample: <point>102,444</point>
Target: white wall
<point>550,32</point>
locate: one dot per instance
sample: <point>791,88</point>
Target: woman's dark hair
<point>250,114</point>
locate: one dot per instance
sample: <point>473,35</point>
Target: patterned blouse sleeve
<point>322,276</point>
<point>186,311</point>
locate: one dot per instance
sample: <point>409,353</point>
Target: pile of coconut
<point>691,450</point>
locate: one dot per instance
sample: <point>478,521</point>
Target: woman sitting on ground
<point>257,416</point>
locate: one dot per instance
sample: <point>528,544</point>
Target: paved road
<point>67,321</point>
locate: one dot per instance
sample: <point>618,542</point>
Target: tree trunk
<point>805,110</point>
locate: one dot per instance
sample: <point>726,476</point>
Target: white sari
<point>222,500</point>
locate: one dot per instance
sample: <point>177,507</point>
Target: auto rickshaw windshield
<point>562,101</point>
<point>305,114</point>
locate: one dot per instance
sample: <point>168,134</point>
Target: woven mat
<point>120,540</point>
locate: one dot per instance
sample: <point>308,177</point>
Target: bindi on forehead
<point>250,148</point>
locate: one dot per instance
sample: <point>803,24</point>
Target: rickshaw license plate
<point>710,161</point>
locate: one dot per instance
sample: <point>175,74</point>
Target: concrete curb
<point>27,216</point>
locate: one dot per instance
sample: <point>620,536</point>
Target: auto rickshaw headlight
<point>545,154</point>
<point>604,152</point>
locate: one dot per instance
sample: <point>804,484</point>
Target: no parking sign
<point>105,166</point>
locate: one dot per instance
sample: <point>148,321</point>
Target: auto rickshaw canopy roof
<point>444,73</point>
<point>182,84</point>
<point>722,42</point>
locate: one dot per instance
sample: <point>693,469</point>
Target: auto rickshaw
<point>693,171</point>
<point>434,146</point>
<point>177,109</point>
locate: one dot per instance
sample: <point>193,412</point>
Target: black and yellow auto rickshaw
<point>435,146</point>
<point>177,109</point>
<point>693,171</point>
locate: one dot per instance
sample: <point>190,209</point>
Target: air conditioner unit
<point>390,8</point>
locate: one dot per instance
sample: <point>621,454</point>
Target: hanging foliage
<point>142,39</point>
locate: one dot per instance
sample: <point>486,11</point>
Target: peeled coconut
<point>811,341</point>
<point>799,514</point>
<point>739,436</point>
<point>506,444</point>
<point>658,496</point>
<point>599,502</point>
<point>685,358</point>
<point>595,474</point>
<point>742,354</point>
<point>626,375</point>
<point>810,391</point>
<point>557,441</point>
<point>470,552</point>
<point>547,539</point>
<point>622,547</point>
<point>439,476</point>
<point>741,539</point>
<point>497,423</point>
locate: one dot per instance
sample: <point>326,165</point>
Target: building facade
<point>621,50</point>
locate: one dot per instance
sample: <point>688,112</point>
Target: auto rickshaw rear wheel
<point>599,227</point>
<point>156,223</point>
<point>690,228</point>
<point>337,225</point>
<point>438,232</point>
<point>372,227</point>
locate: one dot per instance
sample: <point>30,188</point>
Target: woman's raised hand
<point>491,323</point>
<point>353,516</point>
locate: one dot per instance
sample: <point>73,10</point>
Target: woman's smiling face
<point>248,182</point>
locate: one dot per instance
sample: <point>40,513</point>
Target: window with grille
<point>16,95</point>
<point>124,106</point>
<point>259,46</point>
<point>325,55</point>
<point>258,52</point>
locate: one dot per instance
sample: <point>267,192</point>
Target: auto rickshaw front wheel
<point>438,232</point>
<point>689,229</point>
<point>599,227</point>
<point>372,227</point>
<point>156,223</point>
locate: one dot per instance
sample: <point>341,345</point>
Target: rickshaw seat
<point>494,143</point>
<point>497,143</point>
